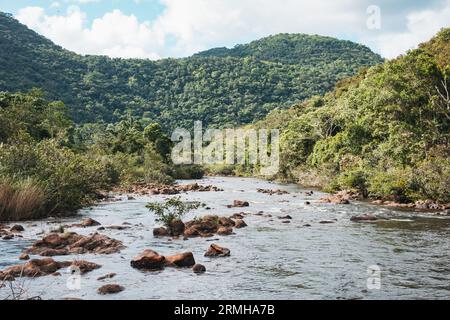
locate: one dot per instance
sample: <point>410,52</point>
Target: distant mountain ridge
<point>221,87</point>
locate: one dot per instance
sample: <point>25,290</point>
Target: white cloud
<point>185,27</point>
<point>114,34</point>
<point>55,4</point>
<point>420,27</point>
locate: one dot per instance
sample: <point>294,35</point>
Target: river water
<point>269,259</point>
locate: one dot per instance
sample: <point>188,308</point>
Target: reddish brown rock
<point>148,260</point>
<point>217,251</point>
<point>225,231</point>
<point>226,222</point>
<point>176,228</point>
<point>160,232</point>
<point>110,289</point>
<point>73,243</point>
<point>85,266</point>
<point>43,267</point>
<point>240,224</point>
<point>24,256</point>
<point>89,222</point>
<point>181,260</point>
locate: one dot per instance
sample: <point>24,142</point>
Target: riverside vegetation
<point>383,132</point>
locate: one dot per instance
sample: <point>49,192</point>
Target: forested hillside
<point>220,87</point>
<point>384,132</point>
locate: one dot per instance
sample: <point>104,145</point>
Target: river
<point>269,259</point>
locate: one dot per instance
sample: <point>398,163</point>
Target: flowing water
<point>269,259</point>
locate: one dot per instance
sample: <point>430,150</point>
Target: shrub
<point>171,210</point>
<point>24,200</point>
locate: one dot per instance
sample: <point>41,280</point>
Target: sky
<point>156,29</point>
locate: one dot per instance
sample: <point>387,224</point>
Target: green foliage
<point>172,209</point>
<point>221,88</point>
<point>385,132</point>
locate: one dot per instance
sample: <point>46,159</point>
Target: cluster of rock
<point>43,267</point>
<point>342,197</point>
<point>152,189</point>
<point>203,227</point>
<point>150,260</point>
<point>9,233</point>
<point>421,205</point>
<point>273,192</point>
<point>61,244</point>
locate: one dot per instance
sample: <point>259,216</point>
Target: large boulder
<point>148,260</point>
<point>217,251</point>
<point>181,260</point>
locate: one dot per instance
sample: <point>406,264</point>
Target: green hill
<point>220,87</point>
<point>385,132</point>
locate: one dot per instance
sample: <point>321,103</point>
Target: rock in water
<point>160,232</point>
<point>199,268</point>
<point>148,260</point>
<point>89,222</point>
<point>225,231</point>
<point>217,251</point>
<point>181,260</point>
<point>176,228</point>
<point>107,276</point>
<point>364,218</point>
<point>110,289</point>
<point>17,228</point>
<point>240,224</point>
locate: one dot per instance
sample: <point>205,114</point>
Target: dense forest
<point>384,132</point>
<point>220,87</point>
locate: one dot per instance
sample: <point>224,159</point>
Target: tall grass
<point>23,200</point>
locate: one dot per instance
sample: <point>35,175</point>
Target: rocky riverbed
<point>252,240</point>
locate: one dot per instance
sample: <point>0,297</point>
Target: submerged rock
<point>239,204</point>
<point>148,260</point>
<point>272,192</point>
<point>364,218</point>
<point>110,289</point>
<point>107,276</point>
<point>199,268</point>
<point>217,251</point>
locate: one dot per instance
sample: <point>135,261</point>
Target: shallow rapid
<point>269,259</point>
